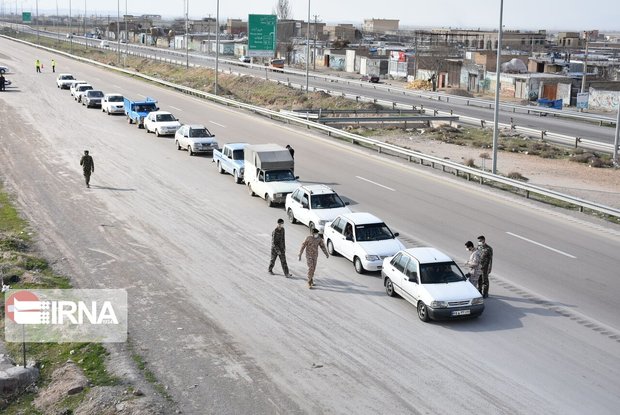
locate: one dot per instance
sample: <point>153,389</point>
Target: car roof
<point>84,84</point>
<point>317,189</point>
<point>94,90</point>
<point>362,218</point>
<point>428,255</point>
<point>113,94</point>
<point>195,126</point>
<point>160,112</point>
<point>64,74</point>
<point>237,146</point>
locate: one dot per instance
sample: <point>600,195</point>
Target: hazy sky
<point>518,14</point>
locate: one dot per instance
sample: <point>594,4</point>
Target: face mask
<point>316,235</point>
<point>479,243</point>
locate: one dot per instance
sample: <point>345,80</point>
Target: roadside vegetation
<point>22,268</point>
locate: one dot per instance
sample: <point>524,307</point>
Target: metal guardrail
<point>411,155</point>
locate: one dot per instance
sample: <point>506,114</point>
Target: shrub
<point>515,175</point>
<point>469,162</point>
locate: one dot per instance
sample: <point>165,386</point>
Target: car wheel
<point>269,201</point>
<point>178,146</point>
<point>422,311</point>
<point>291,217</point>
<point>157,133</point>
<point>236,177</point>
<point>189,150</point>
<point>219,168</point>
<point>330,248</point>
<point>359,268</point>
<point>129,120</point>
<point>389,288</point>
<point>250,191</point>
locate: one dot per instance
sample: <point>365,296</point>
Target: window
<point>338,225</point>
<point>238,154</point>
<point>411,271</point>
<point>296,196</point>
<point>440,273</point>
<point>373,232</point>
<point>400,262</point>
<point>304,201</point>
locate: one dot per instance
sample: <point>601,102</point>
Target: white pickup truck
<point>269,172</point>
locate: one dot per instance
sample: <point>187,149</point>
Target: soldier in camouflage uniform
<point>311,244</point>
<point>277,248</point>
<point>486,263</point>
<point>88,166</point>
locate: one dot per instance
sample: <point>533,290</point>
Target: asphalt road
<point>192,248</point>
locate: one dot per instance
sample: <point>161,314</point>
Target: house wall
<point>603,99</point>
<point>337,62</point>
<point>350,61</point>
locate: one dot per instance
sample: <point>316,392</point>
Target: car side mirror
<point>349,238</point>
<point>396,234</point>
<point>304,205</point>
<point>346,203</point>
<point>296,177</point>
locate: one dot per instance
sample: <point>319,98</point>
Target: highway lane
<point>194,223</point>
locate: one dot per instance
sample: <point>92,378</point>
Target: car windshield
<point>440,273</point>
<point>96,94</point>
<point>279,176</point>
<point>373,232</point>
<point>85,87</point>
<point>199,132</point>
<point>67,77</point>
<point>116,98</point>
<point>327,201</point>
<point>147,108</point>
<point>238,154</point>
<point>165,117</point>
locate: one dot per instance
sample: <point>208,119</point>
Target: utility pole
<point>118,31</point>
<point>314,48</point>
<point>37,22</point>
<point>497,86</point>
<point>126,32</point>
<point>70,30</point>
<point>616,139</point>
<point>585,64</point>
<point>308,51</point>
<point>217,44</point>
<point>186,34</point>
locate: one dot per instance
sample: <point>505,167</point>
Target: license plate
<point>461,312</point>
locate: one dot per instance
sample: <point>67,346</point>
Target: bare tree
<point>283,10</point>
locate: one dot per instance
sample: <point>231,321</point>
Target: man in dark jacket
<point>278,247</point>
<point>88,166</point>
<point>2,82</point>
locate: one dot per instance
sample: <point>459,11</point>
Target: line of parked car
<point>425,277</point>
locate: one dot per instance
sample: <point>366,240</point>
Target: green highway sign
<point>262,35</point>
<point>26,17</point>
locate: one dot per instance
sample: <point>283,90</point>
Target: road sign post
<point>262,31</point>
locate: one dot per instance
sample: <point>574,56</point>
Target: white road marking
<point>375,183</point>
<point>213,122</point>
<point>539,244</point>
<point>175,108</point>
<point>116,86</point>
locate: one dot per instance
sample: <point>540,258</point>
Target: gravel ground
<point>601,185</point>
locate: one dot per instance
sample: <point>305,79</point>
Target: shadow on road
<point>346,287</point>
<point>500,314</point>
<point>94,186</point>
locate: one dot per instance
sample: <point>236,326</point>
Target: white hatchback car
<point>195,139</point>
<point>113,104</point>
<point>314,205</point>
<point>433,283</point>
<point>362,238</point>
<point>63,81</point>
<point>161,123</point>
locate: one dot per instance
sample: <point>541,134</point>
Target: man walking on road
<point>486,264</point>
<point>88,166</point>
<point>278,248</point>
<point>37,65</point>
<point>53,65</point>
<point>311,244</point>
<point>2,82</point>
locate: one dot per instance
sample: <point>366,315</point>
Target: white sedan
<point>161,123</point>
<point>113,104</point>
<point>433,283</point>
<point>195,139</point>
<point>63,81</point>
<point>314,205</point>
<point>363,239</point>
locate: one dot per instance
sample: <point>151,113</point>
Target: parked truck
<point>136,111</point>
<point>230,160</point>
<point>269,172</point>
